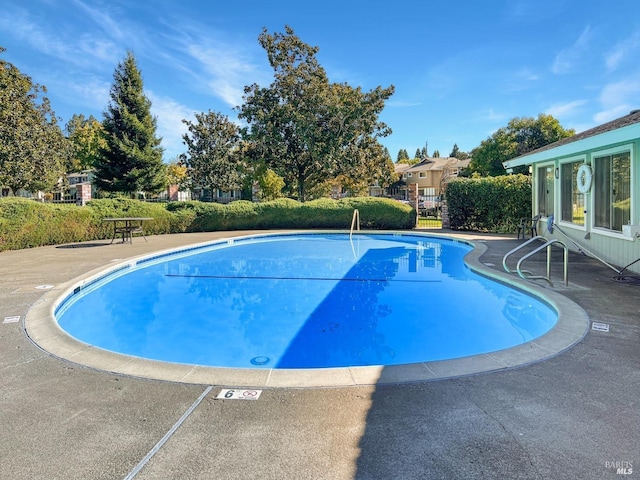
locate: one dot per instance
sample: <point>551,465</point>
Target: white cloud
<point>402,104</point>
<point>228,68</point>
<point>70,47</point>
<point>618,99</point>
<point>493,116</point>
<point>92,92</point>
<point>621,92</point>
<point>611,114</point>
<point>170,114</point>
<point>567,59</point>
<point>19,23</point>
<point>622,51</point>
<point>531,11</point>
<point>90,48</point>
<point>527,74</point>
<point>103,21</point>
<point>565,109</point>
<point>521,80</point>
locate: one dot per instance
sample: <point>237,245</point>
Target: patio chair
<point>528,225</point>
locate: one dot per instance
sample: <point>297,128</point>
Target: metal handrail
<point>546,245</point>
<point>355,222</point>
<point>510,252</point>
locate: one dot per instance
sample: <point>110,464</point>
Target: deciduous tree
<point>213,157</point>
<point>33,148</point>
<point>306,129</point>
<point>271,184</point>
<point>370,167</point>
<point>520,136</point>
<point>177,173</point>
<point>87,138</point>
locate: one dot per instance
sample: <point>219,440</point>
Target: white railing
<point>355,222</point>
<point>527,275</point>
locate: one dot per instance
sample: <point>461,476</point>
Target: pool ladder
<point>355,222</point>
<point>527,275</point>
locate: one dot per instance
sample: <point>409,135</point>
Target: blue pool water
<point>305,301</point>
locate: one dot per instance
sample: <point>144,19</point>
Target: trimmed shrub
<point>381,213</point>
<point>489,204</point>
<point>375,213</point>
<point>26,223</point>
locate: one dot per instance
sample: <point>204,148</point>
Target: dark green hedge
<point>489,204</point>
<point>375,213</point>
<point>27,223</point>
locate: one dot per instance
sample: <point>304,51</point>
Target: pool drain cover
<point>260,360</point>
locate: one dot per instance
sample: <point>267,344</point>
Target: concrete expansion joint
<point>167,435</point>
<point>513,437</point>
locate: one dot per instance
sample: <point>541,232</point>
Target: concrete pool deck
<point>576,414</point>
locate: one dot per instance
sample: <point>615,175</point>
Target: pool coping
<point>43,330</point>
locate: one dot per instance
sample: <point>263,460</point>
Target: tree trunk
<point>301,179</point>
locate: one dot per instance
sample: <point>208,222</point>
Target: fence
<point>430,217</point>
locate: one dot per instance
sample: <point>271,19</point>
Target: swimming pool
<point>304,301</point>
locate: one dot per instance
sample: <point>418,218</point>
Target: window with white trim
<point>612,190</point>
<point>571,199</point>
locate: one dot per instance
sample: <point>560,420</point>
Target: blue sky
<point>461,69</point>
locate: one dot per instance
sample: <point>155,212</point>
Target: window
<point>545,190</point>
<point>422,175</point>
<point>612,190</point>
<point>571,200</point>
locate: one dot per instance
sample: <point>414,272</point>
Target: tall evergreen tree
<point>455,151</point>
<point>402,155</point>
<point>131,161</point>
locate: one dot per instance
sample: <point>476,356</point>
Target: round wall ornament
<point>584,178</point>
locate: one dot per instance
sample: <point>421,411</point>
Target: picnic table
<point>127,226</point>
